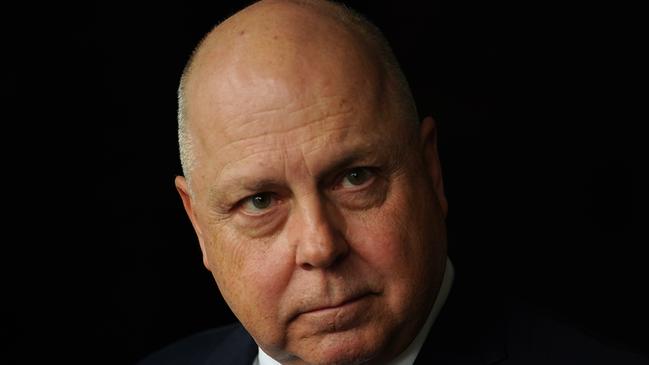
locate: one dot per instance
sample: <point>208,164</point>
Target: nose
<point>317,237</point>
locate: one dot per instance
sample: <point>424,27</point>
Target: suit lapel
<point>237,349</point>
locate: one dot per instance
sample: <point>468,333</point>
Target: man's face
<point>315,208</point>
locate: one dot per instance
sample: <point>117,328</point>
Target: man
<point>317,199</point>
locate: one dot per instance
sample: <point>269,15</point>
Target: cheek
<point>381,241</point>
<point>252,277</point>
<point>401,242</point>
<point>386,237</point>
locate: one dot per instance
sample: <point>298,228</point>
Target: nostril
<point>306,266</point>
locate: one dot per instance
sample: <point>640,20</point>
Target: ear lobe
<point>183,191</point>
<point>428,142</point>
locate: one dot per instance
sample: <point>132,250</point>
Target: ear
<point>428,142</point>
<point>183,190</point>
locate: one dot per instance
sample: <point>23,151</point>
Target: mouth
<point>345,304</point>
<point>335,315</point>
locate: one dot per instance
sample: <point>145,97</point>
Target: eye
<point>258,203</point>
<point>356,177</point>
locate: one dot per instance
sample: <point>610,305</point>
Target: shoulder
<point>229,344</point>
<point>532,333</point>
<point>477,326</point>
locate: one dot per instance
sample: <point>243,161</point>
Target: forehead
<point>271,124</point>
<point>273,92</point>
<point>245,111</point>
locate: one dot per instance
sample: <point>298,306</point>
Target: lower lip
<point>348,307</point>
<point>341,318</point>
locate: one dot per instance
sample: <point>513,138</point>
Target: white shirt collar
<point>408,356</point>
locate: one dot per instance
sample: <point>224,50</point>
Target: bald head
<point>315,195</point>
<point>290,46</point>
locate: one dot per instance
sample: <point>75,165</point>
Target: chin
<point>345,348</point>
<point>339,358</point>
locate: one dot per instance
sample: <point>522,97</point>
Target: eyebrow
<point>232,186</point>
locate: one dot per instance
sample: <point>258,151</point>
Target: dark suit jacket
<point>471,329</point>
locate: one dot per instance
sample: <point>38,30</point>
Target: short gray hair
<point>185,141</point>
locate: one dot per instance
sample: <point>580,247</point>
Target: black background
<point>539,139</point>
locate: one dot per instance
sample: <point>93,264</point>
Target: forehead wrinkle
<point>320,129</point>
<point>282,145</point>
<point>324,133</point>
<point>272,175</point>
<point>323,115</point>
